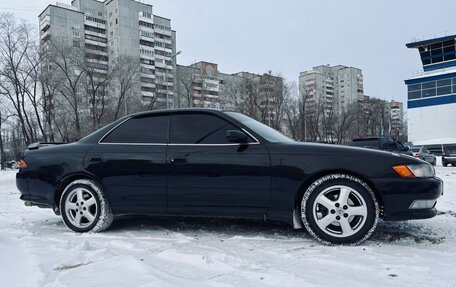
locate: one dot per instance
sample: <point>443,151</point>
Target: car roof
<point>178,111</point>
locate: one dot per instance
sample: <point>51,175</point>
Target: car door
<point>212,176</point>
<point>130,163</point>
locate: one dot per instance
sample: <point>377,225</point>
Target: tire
<point>84,207</point>
<point>335,220</point>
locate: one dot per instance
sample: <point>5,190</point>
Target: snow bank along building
<point>431,104</point>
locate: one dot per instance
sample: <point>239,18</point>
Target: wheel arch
<point>64,182</point>
<point>312,178</point>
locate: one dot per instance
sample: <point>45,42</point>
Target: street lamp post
<point>166,76</point>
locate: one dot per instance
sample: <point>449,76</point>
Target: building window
<point>76,25</point>
<point>76,34</point>
<point>146,15</point>
<point>146,24</point>
<point>76,43</point>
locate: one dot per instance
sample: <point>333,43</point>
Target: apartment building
<point>107,30</point>
<point>333,87</point>
<point>203,85</point>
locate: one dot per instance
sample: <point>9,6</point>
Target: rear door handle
<point>96,158</point>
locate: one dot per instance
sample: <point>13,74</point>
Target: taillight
<point>22,164</point>
<point>417,155</point>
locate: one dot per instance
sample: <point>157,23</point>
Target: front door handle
<point>179,160</point>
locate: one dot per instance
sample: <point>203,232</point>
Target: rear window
<point>141,130</point>
<point>415,149</point>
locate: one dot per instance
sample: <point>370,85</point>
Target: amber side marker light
<point>22,164</point>
<point>403,171</point>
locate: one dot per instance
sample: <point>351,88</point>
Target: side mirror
<point>236,136</point>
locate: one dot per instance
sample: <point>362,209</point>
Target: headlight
<point>415,170</point>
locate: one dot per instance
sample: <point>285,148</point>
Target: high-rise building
<point>107,30</point>
<point>431,105</point>
<point>394,114</point>
<point>333,88</point>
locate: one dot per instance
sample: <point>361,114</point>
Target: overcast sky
<point>290,36</point>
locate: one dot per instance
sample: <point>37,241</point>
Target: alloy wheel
<point>340,211</point>
<point>81,207</point>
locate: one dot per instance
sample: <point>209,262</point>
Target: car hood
<point>301,148</point>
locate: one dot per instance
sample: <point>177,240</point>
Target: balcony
<point>45,23</point>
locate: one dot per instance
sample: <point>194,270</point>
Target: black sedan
<point>199,162</point>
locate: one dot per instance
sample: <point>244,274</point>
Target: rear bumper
<point>23,183</point>
<point>399,194</point>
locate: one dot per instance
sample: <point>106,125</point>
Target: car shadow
<point>386,232</point>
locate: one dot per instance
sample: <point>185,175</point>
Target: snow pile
<point>38,250</point>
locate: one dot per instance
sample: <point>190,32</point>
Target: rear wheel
<point>339,209</point>
<point>84,207</point>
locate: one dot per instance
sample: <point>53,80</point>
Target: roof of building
<point>417,44</point>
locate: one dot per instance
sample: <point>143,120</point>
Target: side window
<point>199,129</point>
<point>147,129</point>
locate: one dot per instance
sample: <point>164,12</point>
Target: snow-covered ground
<point>36,249</point>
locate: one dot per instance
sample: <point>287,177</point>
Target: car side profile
<point>424,154</point>
<point>202,162</point>
<point>382,143</point>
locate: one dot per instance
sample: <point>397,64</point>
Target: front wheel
<point>339,209</point>
<point>84,207</point>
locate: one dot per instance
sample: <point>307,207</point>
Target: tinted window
<point>140,130</point>
<point>199,129</point>
<point>263,130</point>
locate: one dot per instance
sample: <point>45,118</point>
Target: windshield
<point>263,130</point>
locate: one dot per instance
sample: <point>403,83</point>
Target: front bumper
<point>398,195</point>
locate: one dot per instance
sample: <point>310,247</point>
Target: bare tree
<point>68,63</point>
<point>3,119</point>
<point>293,115</point>
<point>97,80</point>
<point>19,74</point>
<point>344,127</point>
<point>124,81</point>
